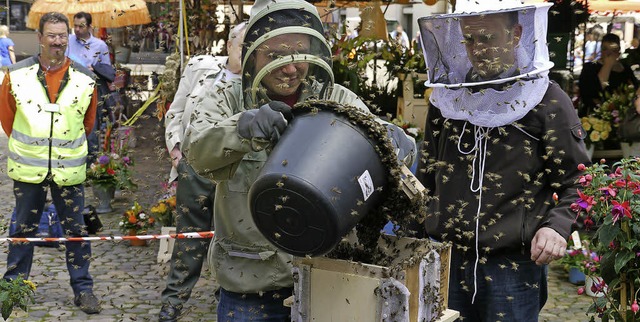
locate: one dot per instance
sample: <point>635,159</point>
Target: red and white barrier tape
<point>201,234</point>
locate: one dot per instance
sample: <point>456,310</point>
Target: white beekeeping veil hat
<point>488,61</point>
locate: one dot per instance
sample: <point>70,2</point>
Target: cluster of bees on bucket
<point>395,205</point>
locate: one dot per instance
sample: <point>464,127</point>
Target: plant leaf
<point>607,233</point>
<point>622,259</point>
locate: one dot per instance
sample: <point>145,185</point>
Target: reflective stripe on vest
<point>44,141</point>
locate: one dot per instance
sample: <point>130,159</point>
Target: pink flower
<point>620,209</point>
<point>608,191</point>
<point>585,180</point>
<point>580,290</point>
<point>635,307</point>
<point>586,202</point>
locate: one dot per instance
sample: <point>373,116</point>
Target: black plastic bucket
<point>321,178</point>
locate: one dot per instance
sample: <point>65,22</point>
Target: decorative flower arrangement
<point>409,128</point>
<point>609,199</point>
<point>113,165</point>
<point>598,130</point>
<point>617,104</point>
<point>136,221</point>
<point>16,293</point>
<point>164,211</point>
<point>584,259</point>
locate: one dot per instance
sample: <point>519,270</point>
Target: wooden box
<point>339,290</point>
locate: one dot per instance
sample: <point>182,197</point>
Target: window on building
<point>15,14</point>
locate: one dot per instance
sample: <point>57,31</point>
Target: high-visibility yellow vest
<point>45,140</point>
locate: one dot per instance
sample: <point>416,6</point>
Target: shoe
<point>87,302</point>
<point>169,313</point>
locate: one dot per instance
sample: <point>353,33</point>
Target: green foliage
<point>16,293</point>
<point>351,58</point>
<point>609,198</point>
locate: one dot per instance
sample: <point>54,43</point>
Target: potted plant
<point>609,199</point>
<point>112,169</point>
<point>14,293</point>
<point>164,211</point>
<point>598,131</point>
<point>577,261</point>
<point>135,221</point>
<point>620,103</point>
<point>108,172</point>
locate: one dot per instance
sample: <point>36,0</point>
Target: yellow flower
<point>31,284</point>
<point>352,54</point>
<point>586,124</point>
<point>159,208</point>
<point>598,126</point>
<point>594,136</point>
<point>172,201</point>
<point>604,135</point>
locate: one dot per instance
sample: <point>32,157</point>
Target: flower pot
<point>630,149</point>
<point>589,282</point>
<point>136,242</point>
<point>576,277</point>
<point>331,168</point>
<point>104,195</point>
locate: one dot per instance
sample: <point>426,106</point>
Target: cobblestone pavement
<point>128,280</point>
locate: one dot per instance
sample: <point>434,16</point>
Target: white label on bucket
<point>577,244</point>
<point>366,184</point>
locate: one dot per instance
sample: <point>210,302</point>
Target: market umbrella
<point>104,13</point>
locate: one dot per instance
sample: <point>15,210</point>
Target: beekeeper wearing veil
<point>501,138</point>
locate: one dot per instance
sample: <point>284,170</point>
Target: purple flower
<point>103,159</point>
<point>616,212</point>
<point>126,160</point>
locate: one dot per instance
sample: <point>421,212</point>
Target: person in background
<point>416,44</point>
<point>93,53</point>
<point>400,36</point>
<point>604,75</point>
<point>592,46</point>
<point>47,108</point>
<point>195,194</point>
<point>286,60</point>
<point>7,53</point>
<point>500,140</point>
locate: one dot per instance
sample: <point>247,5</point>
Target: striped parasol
<point>105,13</point>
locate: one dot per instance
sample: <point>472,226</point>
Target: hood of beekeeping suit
<point>285,53</point>
<point>488,61</point>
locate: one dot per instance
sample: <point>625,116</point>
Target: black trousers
<point>194,204</point>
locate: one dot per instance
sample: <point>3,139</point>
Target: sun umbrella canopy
<point>104,13</point>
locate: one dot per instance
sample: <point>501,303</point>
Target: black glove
<point>266,122</point>
<point>404,146</point>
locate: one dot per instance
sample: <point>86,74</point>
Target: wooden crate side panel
<point>445,268</point>
<point>413,284</point>
<point>336,296</point>
<point>343,266</point>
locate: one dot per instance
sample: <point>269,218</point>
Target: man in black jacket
<point>500,140</point>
